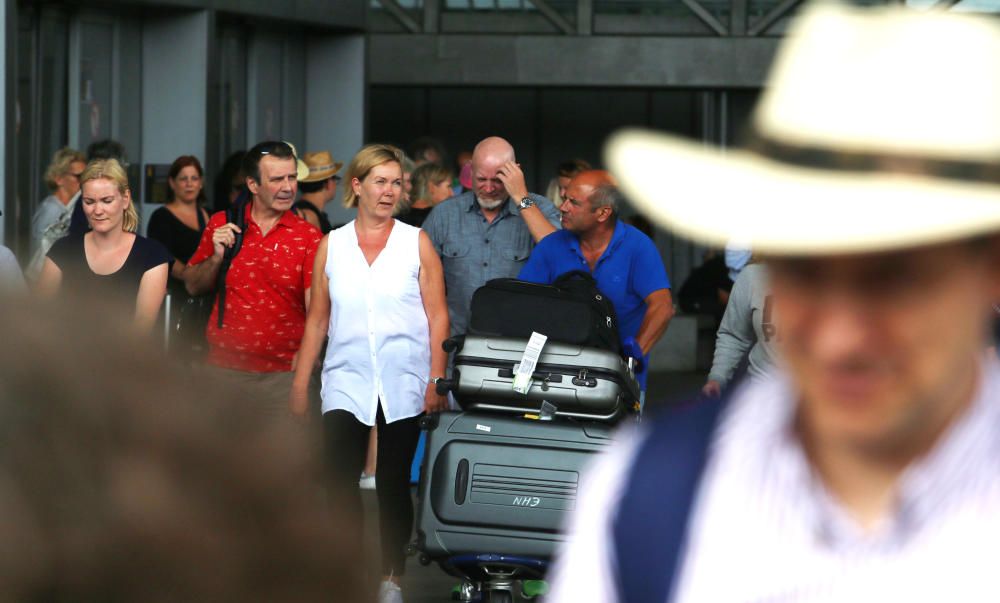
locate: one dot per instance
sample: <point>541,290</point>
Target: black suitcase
<point>580,382</point>
<point>570,310</point>
<point>500,485</point>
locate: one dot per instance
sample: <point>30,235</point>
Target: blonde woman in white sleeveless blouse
<point>378,294</point>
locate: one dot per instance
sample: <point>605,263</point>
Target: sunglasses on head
<point>271,148</point>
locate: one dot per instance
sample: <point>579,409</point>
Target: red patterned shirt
<point>265,295</point>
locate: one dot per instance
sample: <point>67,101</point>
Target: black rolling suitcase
<point>500,485</point>
<point>580,382</point>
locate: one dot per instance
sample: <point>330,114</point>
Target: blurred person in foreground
<point>868,471</point>
<point>378,294</point>
<point>110,258</point>
<point>181,493</point>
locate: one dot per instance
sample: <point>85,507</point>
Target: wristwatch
<point>435,380</point>
<point>526,203</point>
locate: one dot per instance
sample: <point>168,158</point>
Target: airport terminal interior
<point>555,78</point>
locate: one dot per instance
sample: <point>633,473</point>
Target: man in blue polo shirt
<point>625,262</point>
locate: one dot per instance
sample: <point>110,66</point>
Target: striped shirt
<point>764,529</point>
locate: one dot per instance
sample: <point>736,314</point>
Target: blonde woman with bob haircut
<point>109,260</point>
<point>378,294</point>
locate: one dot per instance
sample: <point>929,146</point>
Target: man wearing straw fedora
<point>318,189</point>
<point>868,469</point>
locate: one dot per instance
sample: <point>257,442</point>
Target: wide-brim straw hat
<point>321,166</point>
<point>301,169</point>
<point>879,129</point>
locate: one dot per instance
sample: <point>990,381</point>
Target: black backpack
<point>237,214</point>
<point>571,310</point>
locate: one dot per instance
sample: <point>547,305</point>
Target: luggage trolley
<point>499,479</point>
<point>494,494</point>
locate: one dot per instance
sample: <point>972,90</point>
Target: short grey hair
<point>607,195</point>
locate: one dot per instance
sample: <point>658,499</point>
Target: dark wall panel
<point>576,122</point>
<point>396,115</point>
<point>464,116</point>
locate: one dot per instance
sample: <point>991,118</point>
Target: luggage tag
<point>529,360</point>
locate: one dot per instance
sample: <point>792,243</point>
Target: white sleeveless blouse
<point>379,345</point>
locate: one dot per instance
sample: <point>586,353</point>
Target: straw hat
<point>321,166</point>
<point>879,129</point>
<point>301,169</point>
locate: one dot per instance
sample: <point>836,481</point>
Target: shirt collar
<point>286,220</point>
<point>927,485</point>
<point>617,236</point>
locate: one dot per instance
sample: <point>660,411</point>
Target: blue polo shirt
<point>627,272</point>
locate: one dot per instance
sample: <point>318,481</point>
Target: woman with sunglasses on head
<point>110,258</point>
<point>378,293</point>
<point>63,179</point>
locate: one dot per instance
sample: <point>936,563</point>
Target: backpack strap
<point>237,214</point>
<point>650,528</point>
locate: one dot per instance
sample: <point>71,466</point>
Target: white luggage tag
<point>529,360</point>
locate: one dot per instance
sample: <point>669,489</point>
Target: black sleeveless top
<point>324,222</point>
<point>179,240</point>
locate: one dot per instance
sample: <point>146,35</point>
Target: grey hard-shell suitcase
<point>581,382</point>
<point>497,484</point>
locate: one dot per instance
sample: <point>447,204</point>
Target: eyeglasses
<point>336,178</point>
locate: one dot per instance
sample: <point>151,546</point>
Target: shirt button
<point>487,241</point>
<point>485,264</point>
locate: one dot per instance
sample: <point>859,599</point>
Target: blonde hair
<point>60,165</point>
<point>424,176</point>
<point>368,158</point>
<point>110,169</point>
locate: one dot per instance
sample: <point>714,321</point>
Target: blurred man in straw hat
<point>318,189</point>
<point>870,469</point>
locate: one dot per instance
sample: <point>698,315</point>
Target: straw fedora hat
<point>301,169</point>
<point>879,129</point>
<point>321,166</point>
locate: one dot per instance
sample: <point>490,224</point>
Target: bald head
<point>592,179</point>
<point>492,150</point>
<point>583,185</point>
<point>487,158</point>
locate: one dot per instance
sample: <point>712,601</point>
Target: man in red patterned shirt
<point>267,285</point>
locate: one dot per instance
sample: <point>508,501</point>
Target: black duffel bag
<point>570,310</point>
